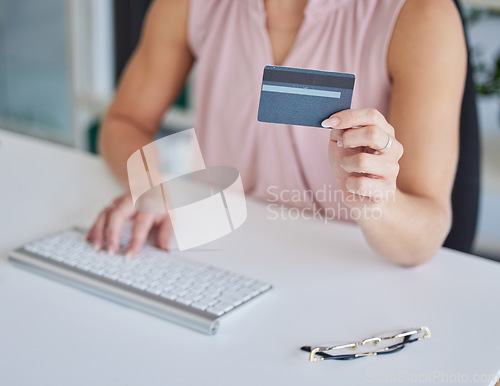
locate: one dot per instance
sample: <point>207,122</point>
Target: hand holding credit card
<point>302,97</point>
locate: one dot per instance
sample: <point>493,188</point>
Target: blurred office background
<point>60,61</point>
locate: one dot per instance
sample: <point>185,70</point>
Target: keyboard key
<point>220,308</point>
<point>184,300</point>
<point>140,286</point>
<point>230,297</point>
<point>199,306</point>
<point>169,288</point>
<point>169,295</point>
<point>155,284</point>
<point>155,291</point>
<point>126,281</point>
<point>249,283</point>
<point>215,311</point>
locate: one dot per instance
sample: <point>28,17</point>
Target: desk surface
<point>329,287</point>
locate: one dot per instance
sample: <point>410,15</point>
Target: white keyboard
<point>161,283</point>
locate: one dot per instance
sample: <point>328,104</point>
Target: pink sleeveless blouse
<point>231,46</point>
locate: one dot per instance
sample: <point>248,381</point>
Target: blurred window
<point>35,92</point>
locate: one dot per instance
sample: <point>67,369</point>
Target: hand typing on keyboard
<point>106,232</point>
<point>168,285</point>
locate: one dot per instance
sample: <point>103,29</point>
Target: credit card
<point>296,96</point>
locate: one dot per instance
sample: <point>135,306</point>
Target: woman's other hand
<point>364,156</point>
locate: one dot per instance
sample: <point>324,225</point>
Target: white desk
<point>328,288</point>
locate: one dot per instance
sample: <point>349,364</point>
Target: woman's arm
<point>427,65</point>
<point>152,80</point>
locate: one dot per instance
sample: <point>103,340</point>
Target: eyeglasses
<point>372,346</point>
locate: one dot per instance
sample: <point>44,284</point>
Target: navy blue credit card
<point>297,96</point>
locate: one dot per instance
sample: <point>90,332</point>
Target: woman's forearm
<point>149,85</point>
<point>410,230</point>
<point>119,138</point>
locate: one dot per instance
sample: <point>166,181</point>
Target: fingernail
<point>96,246</point>
<point>340,142</point>
<point>128,255</point>
<point>330,122</point>
<point>111,251</point>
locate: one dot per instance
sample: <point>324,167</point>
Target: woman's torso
<point>231,44</point>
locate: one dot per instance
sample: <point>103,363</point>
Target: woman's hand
<point>364,155</point>
<point>106,231</point>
